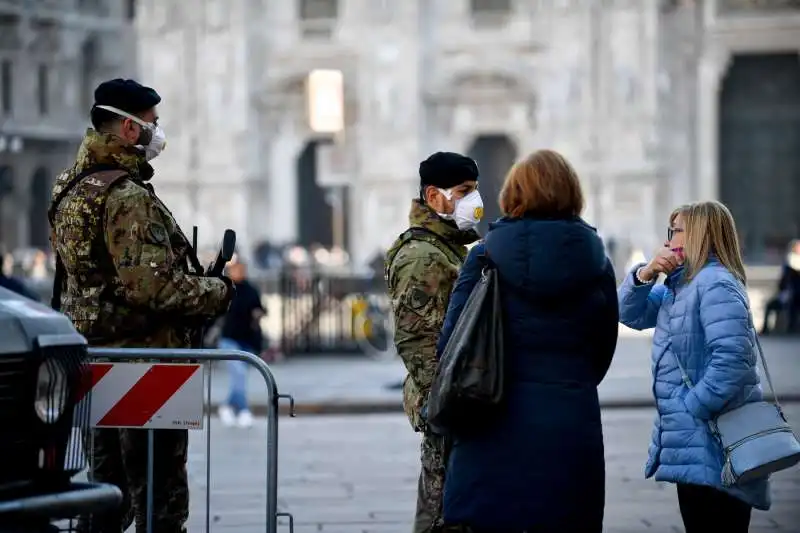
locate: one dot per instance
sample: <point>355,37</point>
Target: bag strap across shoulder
<point>760,352</point>
<point>418,233</point>
<point>105,176</point>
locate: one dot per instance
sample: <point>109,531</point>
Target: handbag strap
<point>760,351</point>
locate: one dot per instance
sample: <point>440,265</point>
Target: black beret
<point>447,169</point>
<point>126,95</point>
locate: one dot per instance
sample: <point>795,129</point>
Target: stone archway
<point>300,206</point>
<point>495,154</point>
<point>6,190</point>
<point>759,163</point>
<point>316,205</point>
<point>38,225</point>
<point>314,217</point>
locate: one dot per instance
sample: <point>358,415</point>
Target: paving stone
<point>356,474</point>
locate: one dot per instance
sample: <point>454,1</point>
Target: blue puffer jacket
<point>706,323</point>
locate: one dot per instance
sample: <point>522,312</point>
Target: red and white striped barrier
<point>144,395</point>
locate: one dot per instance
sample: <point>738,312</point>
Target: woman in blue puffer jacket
<point>701,316</point>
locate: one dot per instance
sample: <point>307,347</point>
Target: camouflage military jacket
<point>126,259</point>
<point>420,274</point>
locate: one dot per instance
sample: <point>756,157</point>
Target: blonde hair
<point>710,229</point>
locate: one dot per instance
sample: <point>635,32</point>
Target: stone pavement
<point>342,384</point>
<point>358,474</point>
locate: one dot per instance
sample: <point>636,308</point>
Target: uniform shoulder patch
<point>91,180</point>
<point>156,233</point>
<point>418,299</point>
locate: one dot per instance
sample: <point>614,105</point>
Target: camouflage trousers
<point>430,490</point>
<point>119,457</point>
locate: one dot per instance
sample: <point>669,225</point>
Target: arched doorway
<point>317,206</point>
<point>759,160</point>
<point>6,189</point>
<point>494,154</point>
<point>38,224</point>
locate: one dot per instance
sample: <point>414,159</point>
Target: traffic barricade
<point>162,388</point>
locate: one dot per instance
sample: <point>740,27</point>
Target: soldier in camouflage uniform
<point>123,277</point>
<point>421,268</point>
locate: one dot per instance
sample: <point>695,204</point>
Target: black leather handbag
<point>467,390</point>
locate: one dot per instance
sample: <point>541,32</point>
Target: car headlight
<point>51,392</point>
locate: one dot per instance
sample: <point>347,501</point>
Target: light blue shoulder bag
<point>756,438</point>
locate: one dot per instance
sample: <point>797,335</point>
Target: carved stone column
<point>712,67</point>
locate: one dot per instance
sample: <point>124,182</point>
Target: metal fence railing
<point>127,357</point>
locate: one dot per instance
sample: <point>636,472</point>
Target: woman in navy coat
<point>540,465</point>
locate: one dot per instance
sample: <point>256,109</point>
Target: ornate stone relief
<point>44,38</point>
<point>725,7</point>
<point>10,38</point>
<point>217,15</point>
<point>488,100</point>
<point>382,11</point>
<point>285,99</point>
<point>168,16</point>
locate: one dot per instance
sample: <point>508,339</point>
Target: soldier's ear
<point>428,192</point>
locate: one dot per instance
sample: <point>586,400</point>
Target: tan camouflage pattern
<point>120,458</point>
<point>128,284</point>
<point>420,276</point>
<point>434,452</point>
<point>134,290</point>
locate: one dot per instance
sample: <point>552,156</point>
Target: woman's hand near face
<point>664,262</point>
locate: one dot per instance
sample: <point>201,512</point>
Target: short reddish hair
<point>544,183</point>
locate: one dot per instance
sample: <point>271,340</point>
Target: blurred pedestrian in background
<point>788,297</point>
<point>540,465</point>
<point>702,319</point>
<point>241,330</point>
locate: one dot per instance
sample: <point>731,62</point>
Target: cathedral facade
<point>53,53</point>
<point>655,102</point>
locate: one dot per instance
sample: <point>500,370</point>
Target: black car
<point>43,362</point>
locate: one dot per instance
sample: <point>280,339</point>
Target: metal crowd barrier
<point>165,355</point>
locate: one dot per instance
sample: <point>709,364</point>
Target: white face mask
<point>156,145</point>
<point>158,139</point>
<point>467,212</point>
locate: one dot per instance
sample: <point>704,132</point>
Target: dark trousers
<point>705,509</point>
<point>119,457</point>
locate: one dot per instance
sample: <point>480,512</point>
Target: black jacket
<point>239,324</point>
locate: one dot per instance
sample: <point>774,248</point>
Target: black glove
<point>231,288</point>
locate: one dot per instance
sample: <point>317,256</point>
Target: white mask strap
<point>448,193</point>
<point>122,113</point>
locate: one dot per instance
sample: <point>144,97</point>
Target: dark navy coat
<point>540,466</point>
